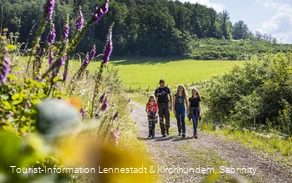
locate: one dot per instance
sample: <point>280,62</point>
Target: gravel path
<point>208,151</point>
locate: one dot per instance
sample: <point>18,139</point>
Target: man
<point>163,96</point>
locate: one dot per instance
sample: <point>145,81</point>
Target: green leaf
<point>12,77</point>
<point>15,102</point>
<point>15,96</point>
<point>56,79</point>
<point>7,105</point>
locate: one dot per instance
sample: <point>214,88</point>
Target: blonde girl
<point>195,109</point>
<point>152,110</point>
<point>180,104</point>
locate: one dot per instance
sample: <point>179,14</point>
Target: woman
<point>180,104</point>
<point>195,109</point>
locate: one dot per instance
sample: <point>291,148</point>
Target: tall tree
<point>225,24</point>
<point>240,30</point>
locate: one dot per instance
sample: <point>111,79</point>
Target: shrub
<point>255,93</point>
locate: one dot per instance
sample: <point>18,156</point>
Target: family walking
<point>161,103</point>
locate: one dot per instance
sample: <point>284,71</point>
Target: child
<point>152,110</point>
<point>180,105</point>
<point>195,109</point>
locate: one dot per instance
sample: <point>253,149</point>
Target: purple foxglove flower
<point>5,66</point>
<point>65,75</point>
<point>101,99</point>
<point>108,48</point>
<point>66,32</point>
<point>51,57</point>
<point>79,22</point>
<point>116,115</point>
<point>82,112</point>
<point>38,50</point>
<point>51,36</point>
<point>101,11</point>
<point>63,60</point>
<point>92,52</point>
<point>28,104</point>
<point>86,61</point>
<point>60,63</point>
<point>96,116</point>
<point>105,105</point>
<point>49,9</point>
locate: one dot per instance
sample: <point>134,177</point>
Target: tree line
<point>156,28</point>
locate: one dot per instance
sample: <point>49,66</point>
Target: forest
<point>146,28</point>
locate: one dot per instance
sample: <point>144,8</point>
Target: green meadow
<point>146,73</point>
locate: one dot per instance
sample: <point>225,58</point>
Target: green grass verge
<point>280,149</point>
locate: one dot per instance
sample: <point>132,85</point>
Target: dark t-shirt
<point>195,102</point>
<point>179,102</point>
<point>162,94</point>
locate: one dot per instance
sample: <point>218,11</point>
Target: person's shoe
<point>164,135</point>
<point>149,135</point>
<point>167,131</point>
<point>153,136</point>
<point>183,135</point>
<point>179,134</point>
<point>196,135</point>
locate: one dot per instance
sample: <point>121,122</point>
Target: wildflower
<point>108,48</point>
<point>51,57</point>
<point>65,75</point>
<point>101,11</point>
<point>5,66</point>
<point>116,115</point>
<point>86,61</point>
<point>92,52</point>
<point>101,99</point>
<point>79,22</point>
<point>96,116</point>
<point>39,50</point>
<point>55,118</point>
<point>49,9</point>
<point>60,63</point>
<point>66,32</point>
<point>82,112</point>
<point>51,36</point>
<point>105,105</point>
<point>28,104</point>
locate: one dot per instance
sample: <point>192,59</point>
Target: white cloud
<point>218,7</point>
<point>280,25</point>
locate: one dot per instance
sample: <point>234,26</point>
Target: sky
<point>267,16</point>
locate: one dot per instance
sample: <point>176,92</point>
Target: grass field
<point>146,73</point>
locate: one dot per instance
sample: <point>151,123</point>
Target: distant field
<point>144,73</point>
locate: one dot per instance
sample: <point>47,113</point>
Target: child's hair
<point>185,93</point>
<point>152,96</point>
<point>196,90</point>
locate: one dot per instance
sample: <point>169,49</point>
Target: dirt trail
<point>208,151</point>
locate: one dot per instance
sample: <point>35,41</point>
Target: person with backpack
<point>163,96</point>
<point>180,103</point>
